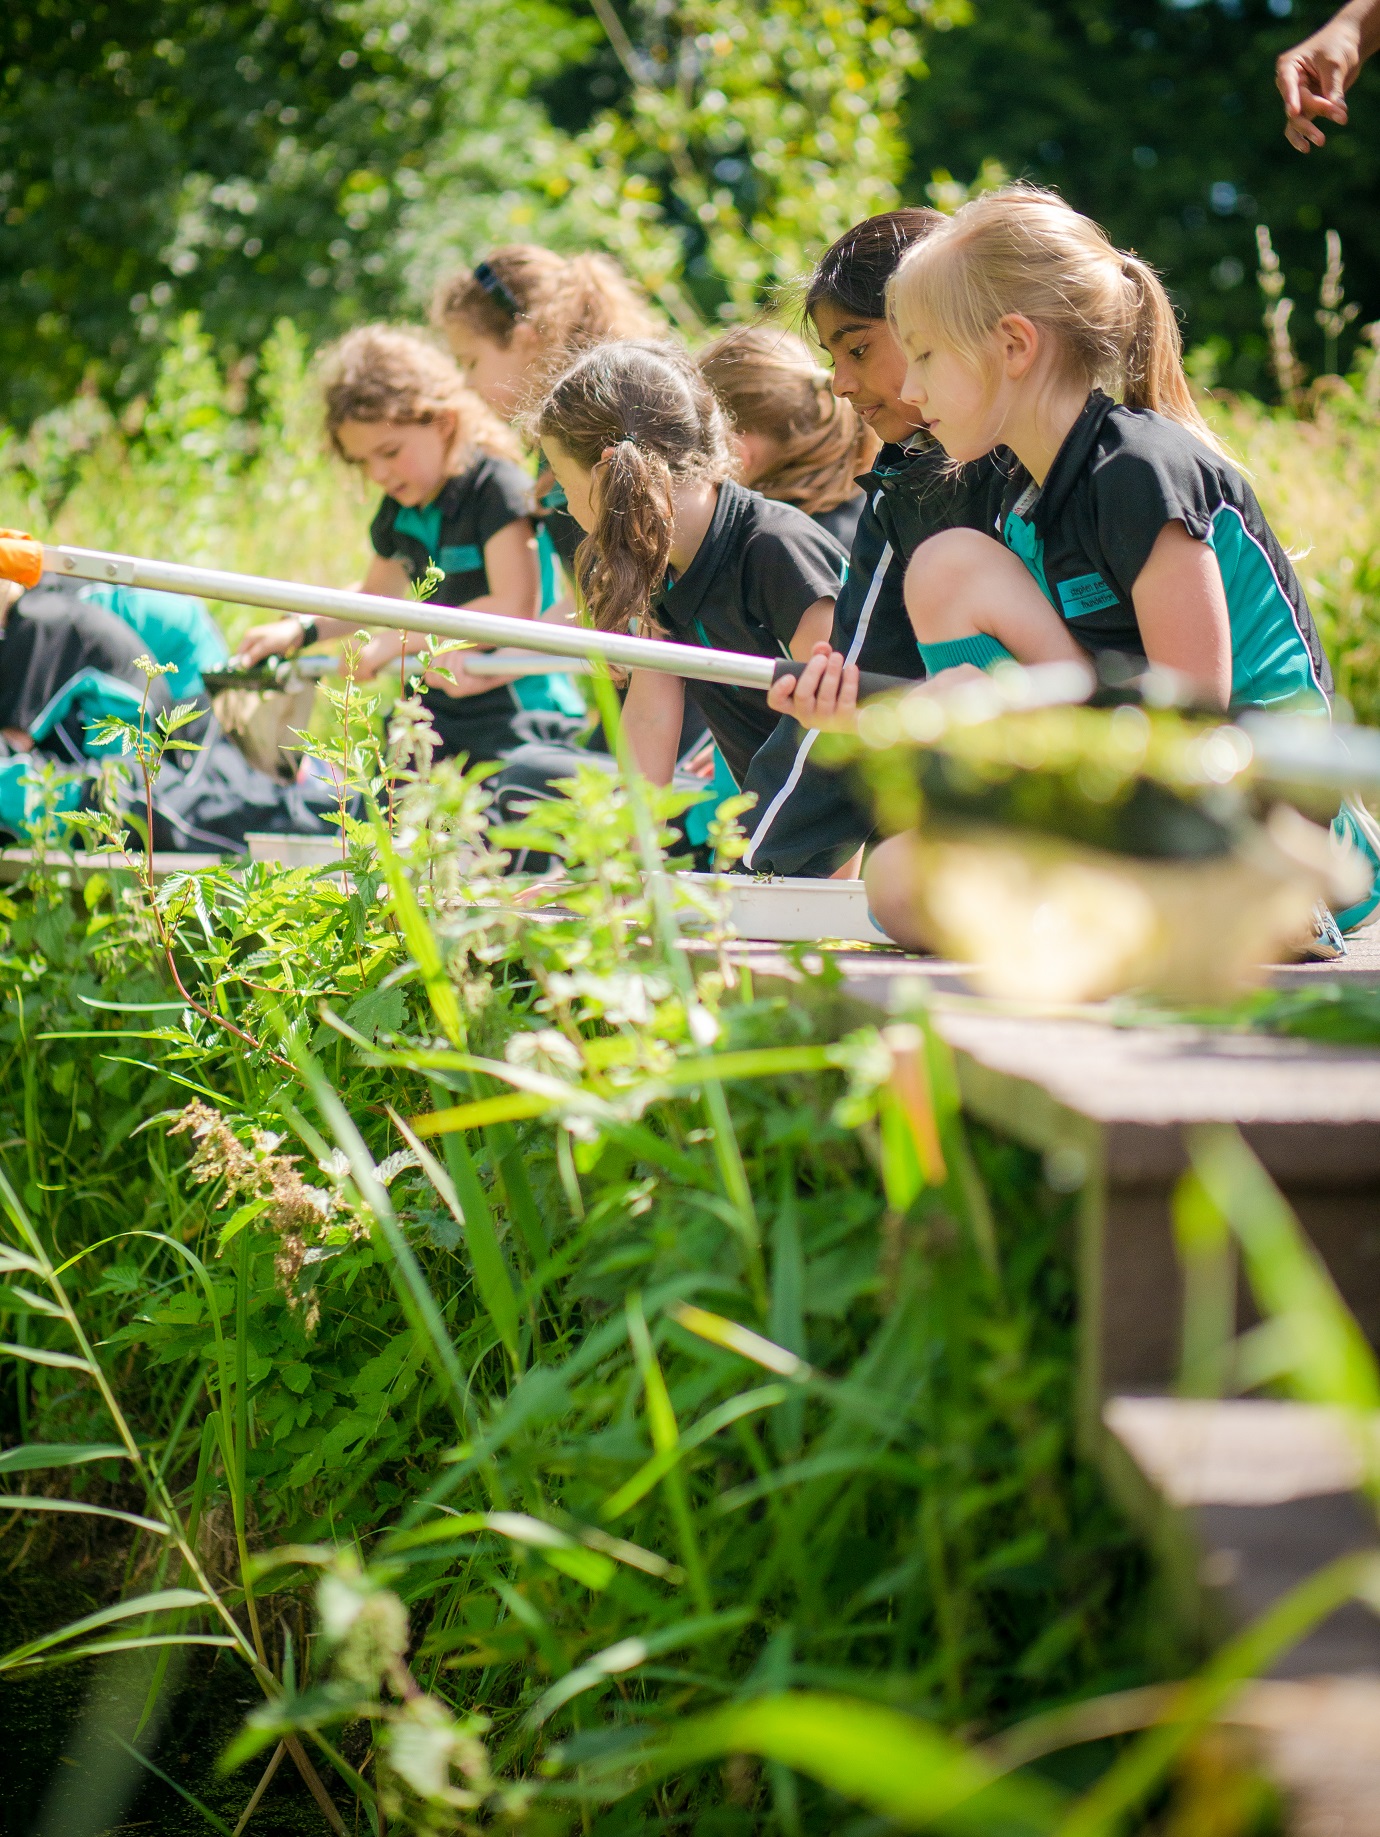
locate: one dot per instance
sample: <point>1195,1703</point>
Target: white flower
<point>704,1028</point>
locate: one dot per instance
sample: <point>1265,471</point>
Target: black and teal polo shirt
<point>808,819</point>
<point>760,568</point>
<point>452,531</point>
<point>1119,477</point>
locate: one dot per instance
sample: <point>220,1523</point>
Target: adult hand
<point>1313,77</point>
<point>279,638</point>
<point>825,694</point>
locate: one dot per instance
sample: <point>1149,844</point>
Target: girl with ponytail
<point>675,547</point>
<point>1123,526</point>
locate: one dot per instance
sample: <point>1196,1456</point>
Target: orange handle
<point>21,558</point>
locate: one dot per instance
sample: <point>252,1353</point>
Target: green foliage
<point>242,160</point>
<point>1164,124</point>
<point>493,1314</point>
<point>197,481</point>
<point>758,135</point>
<point>326,159</point>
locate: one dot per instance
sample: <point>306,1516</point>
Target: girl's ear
<point>447,425</point>
<point>1019,344</point>
<point>525,342</point>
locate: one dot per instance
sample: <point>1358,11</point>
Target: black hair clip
<point>497,289</point>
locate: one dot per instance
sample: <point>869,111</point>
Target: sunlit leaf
<point>13,1502</point>
<point>59,1454</point>
<point>742,1340</point>
<point>510,1107</point>
<point>897,1766</point>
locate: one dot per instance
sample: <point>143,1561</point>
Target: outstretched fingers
<point>1312,81</point>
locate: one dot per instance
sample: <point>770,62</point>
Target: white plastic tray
<point>773,910</point>
<point>786,911</point>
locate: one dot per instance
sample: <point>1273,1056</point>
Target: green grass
<point>903,1517</point>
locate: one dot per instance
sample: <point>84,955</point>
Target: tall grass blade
<point>628,1654</point>
<point>897,1766</point>
<point>159,1602</point>
<point>190,1798</point>
<point>420,940</point>
<point>19,1502</point>
<point>418,1302</point>
<point>468,1205</point>
<point>1136,1773</point>
<point>44,1355</point>
<point>59,1454</point>
<point>1331,1361</point>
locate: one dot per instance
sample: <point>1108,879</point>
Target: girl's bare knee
<point>945,579</point>
<point>888,878</point>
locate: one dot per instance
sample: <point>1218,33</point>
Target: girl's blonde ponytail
<point>768,382</point>
<point>1152,366</point>
<point>1024,251</point>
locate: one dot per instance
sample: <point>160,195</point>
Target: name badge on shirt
<point>465,559</point>
<point>1086,593</point>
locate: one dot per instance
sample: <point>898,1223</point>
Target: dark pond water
<point>62,1776</point>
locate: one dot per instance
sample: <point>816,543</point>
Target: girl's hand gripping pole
<point>870,682</point>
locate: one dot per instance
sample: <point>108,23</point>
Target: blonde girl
<point>1123,527</point>
<point>455,496</point>
<point>796,440</point>
<point>639,444</point>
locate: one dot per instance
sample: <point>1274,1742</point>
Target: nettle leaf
<point>376,1012</point>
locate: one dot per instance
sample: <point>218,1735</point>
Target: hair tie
<point>498,290</point>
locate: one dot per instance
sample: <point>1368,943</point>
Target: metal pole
<point>366,609</point>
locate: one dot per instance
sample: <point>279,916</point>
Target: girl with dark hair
<point>806,821</point>
<point>639,444</point>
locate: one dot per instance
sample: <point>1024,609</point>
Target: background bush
<point>326,158</point>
